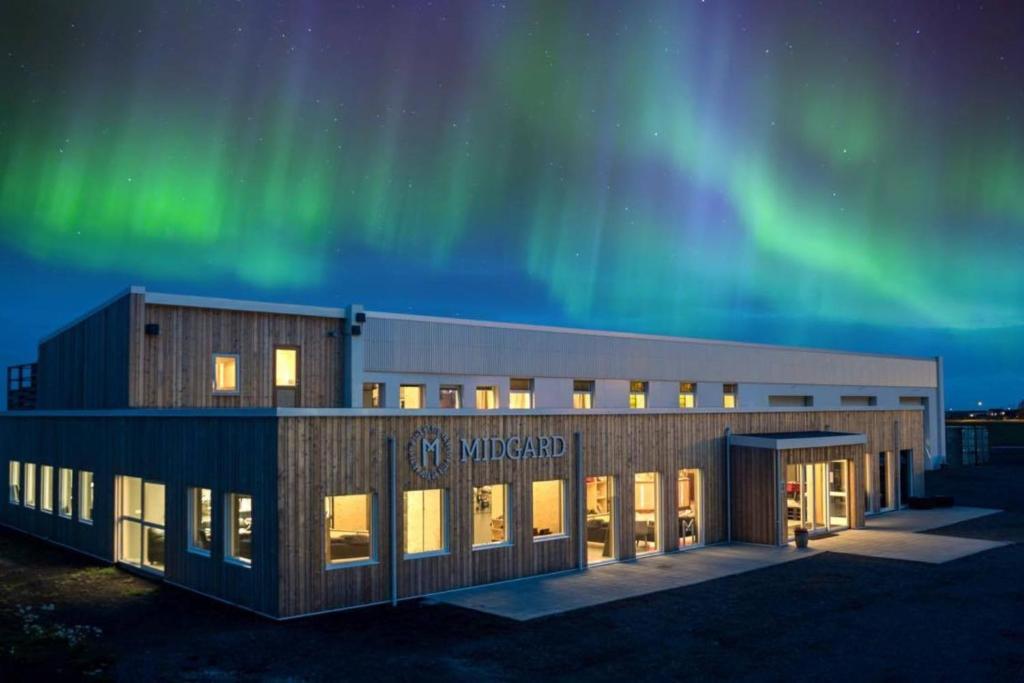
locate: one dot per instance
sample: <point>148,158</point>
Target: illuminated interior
<point>486,398</point>
<point>225,373</point>
<point>410,396</point>
<point>520,395</point>
<point>582,394</point>
<point>372,393</point>
<point>645,503</point>
<point>46,488</point>
<point>688,493</point>
<point>348,525</point>
<point>200,519</point>
<point>286,367</point>
<point>65,499</point>
<point>450,396</point>
<point>30,485</point>
<point>729,399</point>
<point>240,515</point>
<point>14,481</point>
<point>817,496</point>
<point>86,496</point>
<point>548,508</point>
<point>638,395</point>
<point>141,524</point>
<point>424,520</point>
<point>490,515</point>
<point>600,519</point>
<point>687,395</point>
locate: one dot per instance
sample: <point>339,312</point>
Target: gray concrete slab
<point>923,520</point>
<point>546,595</point>
<point>903,545</point>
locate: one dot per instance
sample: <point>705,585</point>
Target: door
<point>601,519</point>
<point>838,494</point>
<point>286,376</point>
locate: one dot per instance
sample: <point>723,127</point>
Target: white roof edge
<point>776,444</point>
<point>634,335</point>
<point>161,299</point>
<point>428,413</point>
<point>134,289</point>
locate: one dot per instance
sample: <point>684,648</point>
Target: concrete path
<point>546,595</point>
<point>903,545</point>
<point>923,520</point>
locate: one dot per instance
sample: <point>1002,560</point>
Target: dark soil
<point>829,617</point>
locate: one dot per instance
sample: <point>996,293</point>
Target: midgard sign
<point>430,450</point>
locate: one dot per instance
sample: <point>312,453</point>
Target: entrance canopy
<point>782,441</point>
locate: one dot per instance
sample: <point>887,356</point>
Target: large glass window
<point>141,530</point>
<point>520,394</point>
<point>687,395</point>
<point>490,515</point>
<point>410,396</point>
<point>86,496</point>
<point>286,366</point>
<point>30,485</point>
<point>66,480</point>
<point>838,494</point>
<point>46,488</point>
<point>548,508</point>
<point>645,503</point>
<point>450,396</point>
<point>225,373</point>
<point>425,523</point>
<point>730,398</point>
<point>240,528</point>
<point>373,395</point>
<point>601,524</point>
<point>688,493</point>
<point>200,520</point>
<point>582,394</point>
<point>14,482</point>
<point>486,398</point>
<point>638,395</point>
<point>348,521</point>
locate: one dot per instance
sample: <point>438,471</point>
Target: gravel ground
<point>831,616</point>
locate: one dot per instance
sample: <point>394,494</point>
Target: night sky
<point>836,174</point>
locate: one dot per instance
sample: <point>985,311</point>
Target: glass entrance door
<point>601,522</point>
<point>838,495</point>
<point>817,497</point>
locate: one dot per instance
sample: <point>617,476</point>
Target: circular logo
<point>429,451</point>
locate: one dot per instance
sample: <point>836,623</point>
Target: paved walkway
<point>903,545</point>
<point>923,520</point>
<point>546,595</point>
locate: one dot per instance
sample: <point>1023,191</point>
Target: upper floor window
<point>373,395</point>
<point>286,367</point>
<point>520,393</point>
<point>582,394</point>
<point>451,396</point>
<point>687,395</point>
<point>486,398</point>
<point>225,373</point>
<point>729,396</point>
<point>638,395</point>
<point>410,396</point>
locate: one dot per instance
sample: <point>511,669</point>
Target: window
<point>240,528</point>
<point>645,502</point>
<point>286,367</point>
<point>410,396</point>
<point>348,522</point>
<point>863,401</point>
<point>14,482</point>
<point>729,399</point>
<point>548,508</point>
<point>141,522</point>
<point>373,395</point>
<point>490,515</point>
<point>225,373</point>
<point>424,515</point>
<point>85,496</point>
<point>486,398</point>
<point>30,485</point>
<point>451,396</point>
<point>65,509</point>
<point>687,395</point>
<point>582,394</point>
<point>638,395</point>
<point>46,488</point>
<point>688,494</point>
<point>520,394</point>
<point>789,401</point>
<point>200,520</point>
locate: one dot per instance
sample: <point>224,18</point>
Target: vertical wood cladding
<point>754,496</point>
<point>86,365</point>
<point>175,367</point>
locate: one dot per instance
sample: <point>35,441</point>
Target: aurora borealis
<point>847,175</point>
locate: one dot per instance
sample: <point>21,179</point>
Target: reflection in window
<point>240,528</point>
<point>490,515</point>
<point>348,522</point>
<point>424,517</point>
<point>486,398</point>
<point>548,508</point>
<point>451,396</point>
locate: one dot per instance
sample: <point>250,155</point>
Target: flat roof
<point>781,441</point>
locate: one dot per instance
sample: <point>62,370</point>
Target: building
<point>294,460</point>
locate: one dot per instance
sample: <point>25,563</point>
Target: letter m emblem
<point>428,447</point>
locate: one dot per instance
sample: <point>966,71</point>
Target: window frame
<point>46,493</point>
<point>82,499</point>
<point>530,391</point>
<point>70,492</point>
<point>644,392</point>
<point>230,557</point>
<point>692,393</point>
<point>140,520</point>
<point>191,498</point>
<point>372,521</point>
<point>298,366</point>
<point>564,533</point>
<point>507,516</point>
<point>238,374</point>
<point>380,394</point>
<point>735,394</point>
<point>577,390</point>
<point>493,389</point>
<point>446,541</point>
<point>457,388</point>
<point>412,385</point>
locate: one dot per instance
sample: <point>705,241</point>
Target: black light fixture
<point>356,330</point>
<point>360,317</point>
<point>152,329</point>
